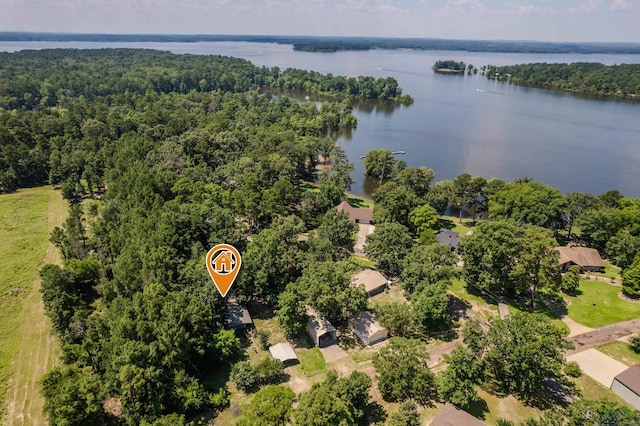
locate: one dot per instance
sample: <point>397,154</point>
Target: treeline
<point>334,44</point>
<point>58,108</point>
<point>608,222</point>
<point>580,77</point>
<point>497,46</point>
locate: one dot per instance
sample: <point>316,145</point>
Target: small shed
<point>356,214</point>
<point>320,330</point>
<point>367,328</point>
<point>451,415</point>
<point>627,385</point>
<point>448,237</point>
<point>238,317</point>
<point>372,281</point>
<point>284,352</point>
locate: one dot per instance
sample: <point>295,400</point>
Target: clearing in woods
<point>27,350</point>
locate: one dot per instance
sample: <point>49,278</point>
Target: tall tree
<point>403,371</point>
<point>457,382</point>
<point>528,201</point>
<point>389,245</point>
<point>523,352</point>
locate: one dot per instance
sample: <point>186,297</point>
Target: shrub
<point>572,369</point>
<point>634,342</point>
<point>244,376</point>
<point>262,339</point>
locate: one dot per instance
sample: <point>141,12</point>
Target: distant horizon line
<point>4,34</point>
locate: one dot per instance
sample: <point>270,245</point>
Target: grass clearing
<point>620,351</point>
<point>453,223</point>
<point>590,389</point>
<point>27,350</point>
<point>363,261</point>
<point>311,361</point>
<point>598,304</point>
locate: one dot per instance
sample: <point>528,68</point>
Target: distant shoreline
<point>331,44</point>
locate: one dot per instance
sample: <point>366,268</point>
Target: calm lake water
<point>465,124</point>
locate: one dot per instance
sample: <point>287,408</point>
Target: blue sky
<point>552,20</point>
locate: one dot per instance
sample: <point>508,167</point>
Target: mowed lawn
<point>600,305</point>
<point>26,219</point>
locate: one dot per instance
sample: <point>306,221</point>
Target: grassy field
<point>620,351</point>
<point>26,348</point>
<point>599,305</point>
<point>453,223</point>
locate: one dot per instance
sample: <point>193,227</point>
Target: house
<point>450,415</point>
<point>367,328</point>
<point>587,259</point>
<point>320,330</point>
<point>238,317</point>
<point>627,385</point>
<point>284,352</point>
<point>356,214</point>
<point>448,237</point>
<point>223,262</point>
<point>372,281</point>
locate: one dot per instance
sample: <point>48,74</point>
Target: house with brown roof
<point>367,328</point>
<point>356,214</point>
<point>627,385</point>
<point>450,415</point>
<point>588,259</point>
<point>372,281</point>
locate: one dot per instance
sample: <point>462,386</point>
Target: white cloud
<point>456,7</point>
<point>619,5</point>
<point>590,6</point>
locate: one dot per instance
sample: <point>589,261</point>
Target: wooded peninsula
<point>589,78</point>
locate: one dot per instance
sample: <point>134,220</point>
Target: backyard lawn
<point>620,351</point>
<point>599,305</point>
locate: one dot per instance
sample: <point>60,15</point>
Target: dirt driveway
<point>361,238</point>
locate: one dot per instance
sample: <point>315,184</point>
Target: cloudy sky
<point>552,20</point>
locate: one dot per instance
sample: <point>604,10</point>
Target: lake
<point>461,124</point>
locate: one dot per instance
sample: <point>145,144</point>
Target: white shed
<point>367,328</point>
<point>372,281</point>
<point>284,352</point>
<point>320,330</point>
<point>627,385</point>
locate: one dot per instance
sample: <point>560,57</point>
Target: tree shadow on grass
<point>375,413</point>
<point>357,202</point>
<point>478,408</point>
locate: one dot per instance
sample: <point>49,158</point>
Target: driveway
<point>361,238</point>
<point>600,367</point>
<point>333,353</point>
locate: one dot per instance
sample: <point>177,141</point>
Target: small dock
<point>393,152</point>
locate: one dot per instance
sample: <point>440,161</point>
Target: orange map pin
<point>223,264</point>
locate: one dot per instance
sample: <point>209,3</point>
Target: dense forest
<point>334,44</point>
<point>192,154</point>
<point>590,78</point>
<point>61,102</point>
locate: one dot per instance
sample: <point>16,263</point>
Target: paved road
<point>603,335</point>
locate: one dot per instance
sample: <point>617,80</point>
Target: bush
<point>244,376</point>
<point>634,342</point>
<point>262,339</point>
<point>249,378</point>
<point>572,369</point>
